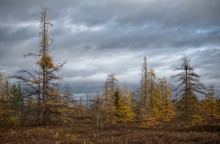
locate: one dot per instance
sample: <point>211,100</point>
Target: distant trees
<point>116,104</point>
<point>17,101</point>
<point>97,108</point>
<point>29,103</point>
<point>11,102</point>
<point>6,110</point>
<point>189,85</point>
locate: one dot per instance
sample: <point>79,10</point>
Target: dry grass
<point>84,131</point>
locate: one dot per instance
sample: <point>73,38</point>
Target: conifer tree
<point>211,105</point>
<point>68,105</point>
<point>155,103</point>
<point>155,98</point>
<point>144,90</point>
<point>167,109</point>
<point>17,101</point>
<point>154,95</point>
<point>110,87</point>
<point>5,106</point>
<point>97,108</point>
<point>50,95</point>
<point>42,83</point>
<point>126,104</point>
<point>81,108</point>
<point>187,89</point>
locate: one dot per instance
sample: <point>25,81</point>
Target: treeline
<point>37,98</point>
<point>153,103</point>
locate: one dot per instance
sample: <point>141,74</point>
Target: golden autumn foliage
<point>211,106</point>
<point>46,61</point>
<point>44,102</point>
<point>167,110</point>
<point>125,106</point>
<point>6,109</point>
<point>156,105</point>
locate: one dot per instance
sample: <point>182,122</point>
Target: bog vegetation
<point>36,99</point>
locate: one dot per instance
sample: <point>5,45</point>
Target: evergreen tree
<point>116,99</point>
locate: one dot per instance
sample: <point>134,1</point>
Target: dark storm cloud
<point>97,37</point>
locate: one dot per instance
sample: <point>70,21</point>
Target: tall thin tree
<point>189,85</point>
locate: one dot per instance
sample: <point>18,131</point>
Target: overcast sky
<point>97,37</point>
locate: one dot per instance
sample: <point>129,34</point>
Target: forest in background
<point>36,99</point>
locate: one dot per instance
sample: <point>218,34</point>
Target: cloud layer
<point>98,37</point>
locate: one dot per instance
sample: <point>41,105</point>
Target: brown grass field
<point>85,132</point>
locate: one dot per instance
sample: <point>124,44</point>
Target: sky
<point>98,37</point>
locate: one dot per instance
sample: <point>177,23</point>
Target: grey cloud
<point>97,37</point>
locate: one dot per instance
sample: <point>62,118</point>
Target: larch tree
<point>211,106</point>
<point>31,87</point>
<point>68,105</point>
<point>187,89</point>
<point>167,109</point>
<point>144,105</point>
<point>17,101</point>
<point>7,113</point>
<point>51,97</point>
<point>42,83</point>
<point>126,104</point>
<point>155,103</point>
<point>110,88</point>
<point>5,106</point>
<point>97,108</point>
<point>154,95</point>
<point>80,108</point>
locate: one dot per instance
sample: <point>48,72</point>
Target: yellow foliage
<point>13,120</point>
<point>211,106</point>
<point>149,121</point>
<point>54,93</point>
<point>46,61</point>
<point>36,80</point>
<point>125,113</point>
<point>197,119</point>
